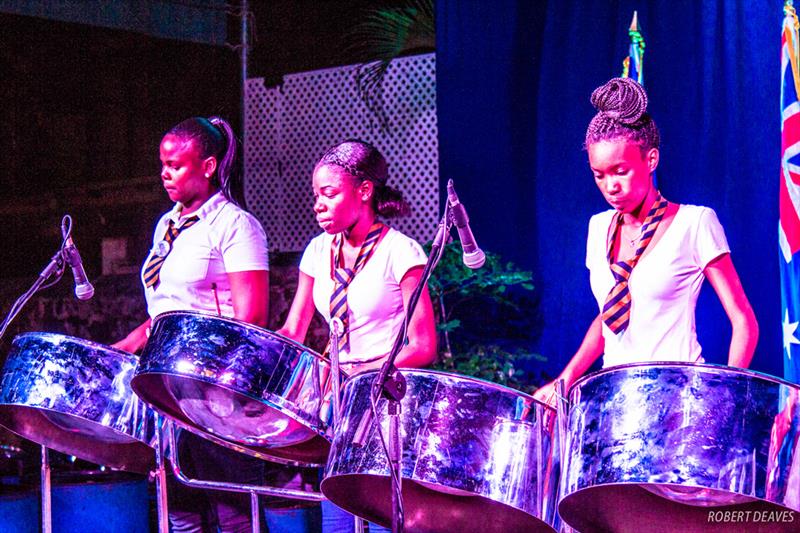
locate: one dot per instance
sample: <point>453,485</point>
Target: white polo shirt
<point>225,239</point>
<point>664,287</point>
<point>374,298</point>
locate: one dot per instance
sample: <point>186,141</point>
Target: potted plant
<point>485,318</point>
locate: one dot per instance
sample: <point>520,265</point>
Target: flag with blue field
<point>789,199</point>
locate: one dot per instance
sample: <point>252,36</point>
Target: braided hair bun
<point>621,105</point>
<point>621,99</point>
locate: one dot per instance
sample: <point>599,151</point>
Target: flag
<point>789,195</point>
<point>632,65</point>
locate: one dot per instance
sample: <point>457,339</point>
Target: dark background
<point>84,107</point>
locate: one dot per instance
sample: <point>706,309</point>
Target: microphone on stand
<point>83,289</point>
<point>473,256</point>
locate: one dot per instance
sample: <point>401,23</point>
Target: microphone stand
<point>54,268</point>
<point>391,385</point>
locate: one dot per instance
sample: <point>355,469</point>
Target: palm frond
<point>383,35</point>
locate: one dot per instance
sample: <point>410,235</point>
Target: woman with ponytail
<point>362,272</point>
<point>647,256</point>
<point>209,255</point>
<point>218,261</point>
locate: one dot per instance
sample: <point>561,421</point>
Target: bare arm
<point>744,328</point>
<point>135,340</point>
<point>421,348</point>
<point>590,349</point>
<point>250,295</point>
<point>302,310</point>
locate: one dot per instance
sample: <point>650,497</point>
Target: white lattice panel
<point>288,128</point>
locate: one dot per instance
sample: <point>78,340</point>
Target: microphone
<point>473,256</point>
<point>83,289</point>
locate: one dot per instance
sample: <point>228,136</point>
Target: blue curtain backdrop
<point>513,81</point>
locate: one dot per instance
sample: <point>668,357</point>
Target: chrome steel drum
<point>682,447</point>
<point>238,385</point>
<point>476,456</point>
<point>74,396</point>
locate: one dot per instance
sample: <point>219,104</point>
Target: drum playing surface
<point>74,396</point>
<point>237,383</point>
<point>476,456</point>
<point>674,447</point>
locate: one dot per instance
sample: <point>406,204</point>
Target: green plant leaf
<point>450,325</point>
<point>464,292</point>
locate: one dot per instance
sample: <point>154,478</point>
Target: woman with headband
<point>648,257</point>
<point>209,255</point>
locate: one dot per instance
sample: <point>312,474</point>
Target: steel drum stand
<point>253,490</point>
<point>337,328</point>
<point>390,383</point>
<point>160,475</point>
<point>47,517</point>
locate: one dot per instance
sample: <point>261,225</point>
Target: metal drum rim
<point>476,495</point>
<point>463,377</point>
<point>132,440</point>
<point>682,364</point>
<point>689,485</point>
<point>204,379</point>
<point>77,340</point>
<point>426,486</point>
<point>243,324</point>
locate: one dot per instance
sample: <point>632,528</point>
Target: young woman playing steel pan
<point>362,272</point>
<point>208,254</point>
<point>647,256</point>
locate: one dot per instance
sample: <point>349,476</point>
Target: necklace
<point>633,241</point>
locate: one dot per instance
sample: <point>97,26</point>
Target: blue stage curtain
<point>513,81</point>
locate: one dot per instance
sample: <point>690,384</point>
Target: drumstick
<point>216,298</point>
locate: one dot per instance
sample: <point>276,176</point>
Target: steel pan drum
<point>238,385</point>
<point>682,447</point>
<point>476,456</point>
<point>74,396</point>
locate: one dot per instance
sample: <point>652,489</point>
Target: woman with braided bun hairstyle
<point>648,257</point>
<point>362,272</point>
<point>208,255</point>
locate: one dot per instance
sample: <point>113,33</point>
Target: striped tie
<point>343,277</point>
<point>158,256</point>
<point>617,307</point>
